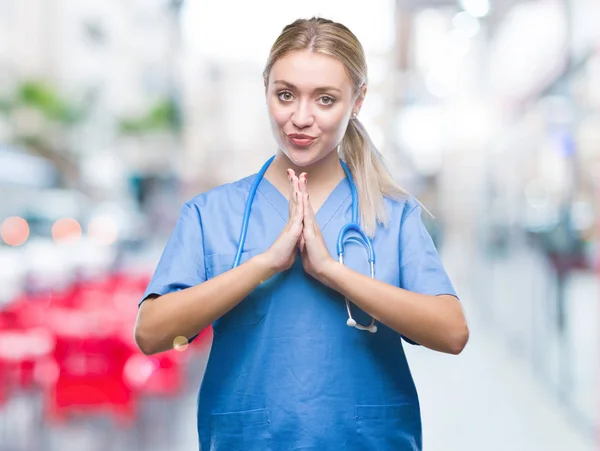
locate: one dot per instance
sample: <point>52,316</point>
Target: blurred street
<point>488,398</point>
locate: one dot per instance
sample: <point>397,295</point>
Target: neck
<point>322,174</point>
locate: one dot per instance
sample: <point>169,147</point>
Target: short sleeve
<point>421,269</point>
<point>181,264</point>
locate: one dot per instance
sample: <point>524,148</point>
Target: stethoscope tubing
<point>352,226</point>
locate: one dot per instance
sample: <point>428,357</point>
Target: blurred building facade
<point>498,112</point>
<point>113,65</point>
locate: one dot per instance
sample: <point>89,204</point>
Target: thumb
<point>301,243</point>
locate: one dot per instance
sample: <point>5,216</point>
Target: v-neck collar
<point>332,203</point>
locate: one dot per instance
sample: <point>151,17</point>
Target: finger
<point>302,182</point>
<point>299,213</point>
<point>291,192</point>
<point>296,183</point>
<point>295,190</point>
<point>301,243</point>
<point>300,205</point>
<point>295,198</point>
<point>308,214</point>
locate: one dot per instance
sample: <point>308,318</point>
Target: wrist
<point>326,271</point>
<point>266,267</point>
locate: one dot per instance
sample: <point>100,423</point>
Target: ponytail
<point>372,178</point>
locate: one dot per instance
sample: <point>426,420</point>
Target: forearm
<point>436,322</point>
<point>187,312</point>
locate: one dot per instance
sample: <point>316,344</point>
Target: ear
<point>360,97</point>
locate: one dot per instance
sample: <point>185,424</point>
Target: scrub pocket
<point>241,431</point>
<point>251,310</point>
<point>394,427</point>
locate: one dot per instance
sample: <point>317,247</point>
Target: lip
<point>300,140</point>
<point>300,136</point>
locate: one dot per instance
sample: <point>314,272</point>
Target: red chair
<point>90,362</point>
<point>20,351</point>
<point>23,343</point>
<point>4,384</point>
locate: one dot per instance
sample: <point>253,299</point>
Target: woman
<point>285,371</point>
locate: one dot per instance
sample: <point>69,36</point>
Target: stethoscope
<point>363,238</point>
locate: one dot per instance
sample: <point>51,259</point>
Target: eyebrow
<point>323,88</point>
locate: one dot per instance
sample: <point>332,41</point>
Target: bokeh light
<point>66,230</point>
<point>476,8</point>
<point>14,231</point>
<point>180,343</point>
<point>103,230</point>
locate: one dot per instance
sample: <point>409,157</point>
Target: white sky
<point>246,29</point>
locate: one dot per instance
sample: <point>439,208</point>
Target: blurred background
<point>113,113</point>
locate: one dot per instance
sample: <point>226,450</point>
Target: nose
<point>302,117</point>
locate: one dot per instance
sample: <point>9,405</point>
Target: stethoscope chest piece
<point>351,322</point>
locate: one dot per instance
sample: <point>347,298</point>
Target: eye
<point>327,100</point>
<point>286,96</point>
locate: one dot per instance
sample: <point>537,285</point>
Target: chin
<point>301,160</point>
<point>303,157</point>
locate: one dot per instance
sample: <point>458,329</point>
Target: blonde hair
<point>372,178</point>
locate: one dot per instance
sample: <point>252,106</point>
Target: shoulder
<point>401,207</point>
<point>228,194</point>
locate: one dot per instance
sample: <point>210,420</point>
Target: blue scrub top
<point>285,372</point>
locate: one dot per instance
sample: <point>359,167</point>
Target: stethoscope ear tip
<point>373,329</point>
<point>350,322</point>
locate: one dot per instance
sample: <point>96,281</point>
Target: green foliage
<point>161,117</point>
<point>44,98</point>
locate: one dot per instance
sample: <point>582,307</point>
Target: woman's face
<point>310,99</point>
